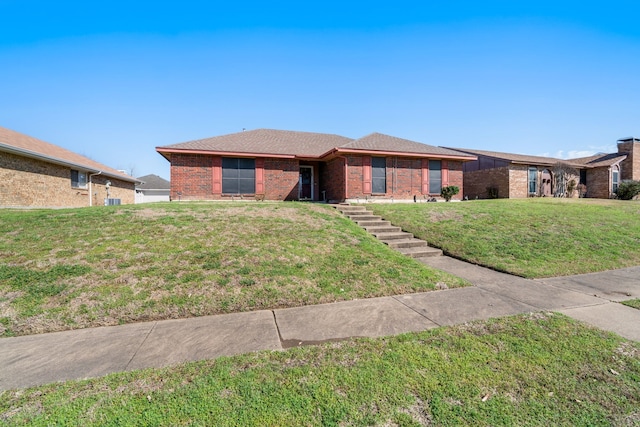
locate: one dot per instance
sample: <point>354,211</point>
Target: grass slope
<point>538,369</point>
<point>530,238</point>
<point>76,268</point>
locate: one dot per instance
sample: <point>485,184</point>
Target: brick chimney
<point>630,167</point>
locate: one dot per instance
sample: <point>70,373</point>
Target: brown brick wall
<point>404,178</point>
<point>332,179</point>
<point>354,177</point>
<point>191,177</point>
<point>476,182</point>
<point>599,183</point>
<point>511,181</point>
<point>407,181</point>
<point>123,190</point>
<point>26,182</point>
<point>281,179</point>
<point>456,177</point>
<point>630,167</point>
<point>519,181</point>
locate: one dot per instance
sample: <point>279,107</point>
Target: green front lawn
<point>530,238</point>
<point>538,369</point>
<point>77,268</point>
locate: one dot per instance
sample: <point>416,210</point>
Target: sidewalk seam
<point>495,292</point>
<point>415,311</point>
<point>141,344</point>
<point>580,291</point>
<point>275,320</point>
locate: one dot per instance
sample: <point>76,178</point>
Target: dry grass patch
<point>105,266</point>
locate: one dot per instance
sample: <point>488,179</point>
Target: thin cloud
<point>574,154</point>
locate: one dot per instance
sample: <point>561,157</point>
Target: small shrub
<point>492,192</point>
<point>448,192</point>
<point>628,189</point>
<point>571,188</point>
<point>582,190</point>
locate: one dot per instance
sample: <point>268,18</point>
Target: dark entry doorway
<point>305,183</point>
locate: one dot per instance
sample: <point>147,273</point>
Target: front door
<point>546,183</point>
<point>305,183</point>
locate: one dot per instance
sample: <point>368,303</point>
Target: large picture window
<point>238,176</point>
<point>379,175</point>
<point>435,176</point>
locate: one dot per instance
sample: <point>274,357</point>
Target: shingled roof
<point>267,142</point>
<point>153,182</point>
<point>599,160</point>
<point>380,142</point>
<point>25,145</point>
<point>517,158</point>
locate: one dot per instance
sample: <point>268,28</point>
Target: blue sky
<point>113,80</point>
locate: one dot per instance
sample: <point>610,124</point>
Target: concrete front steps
<point>384,231</point>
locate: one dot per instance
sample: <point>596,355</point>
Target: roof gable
<point>266,141</point>
<point>600,160</point>
<point>270,142</point>
<point>381,142</point>
<point>29,146</point>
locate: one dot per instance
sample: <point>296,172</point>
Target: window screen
<point>379,175</point>
<point>238,176</point>
<point>435,176</point>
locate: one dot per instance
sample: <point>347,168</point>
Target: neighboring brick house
<point>508,175</point>
<point>34,173</point>
<point>287,165</point>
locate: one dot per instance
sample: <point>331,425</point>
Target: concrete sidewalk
<point>40,359</point>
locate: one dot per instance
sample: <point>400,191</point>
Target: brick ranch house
<point>507,175</point>
<point>34,173</point>
<point>270,164</point>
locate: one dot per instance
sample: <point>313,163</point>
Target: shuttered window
<point>238,176</point>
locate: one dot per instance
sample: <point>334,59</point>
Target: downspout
<point>346,177</point>
<point>90,187</point>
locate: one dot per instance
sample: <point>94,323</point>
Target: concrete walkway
<point>40,359</point>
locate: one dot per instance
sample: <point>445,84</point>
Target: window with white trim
<point>615,178</point>
<point>533,180</point>
<point>78,179</point>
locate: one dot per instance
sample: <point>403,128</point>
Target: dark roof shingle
<point>267,141</point>
<point>381,142</point>
<point>153,182</point>
<point>516,158</point>
<point>306,144</point>
<point>599,160</point>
